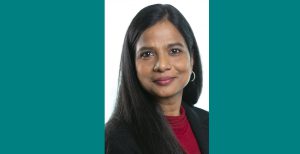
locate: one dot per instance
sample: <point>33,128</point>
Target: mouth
<point>164,81</point>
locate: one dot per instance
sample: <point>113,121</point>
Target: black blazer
<point>119,140</point>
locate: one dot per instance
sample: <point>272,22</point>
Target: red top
<point>182,129</point>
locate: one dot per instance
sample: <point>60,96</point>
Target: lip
<point>164,81</point>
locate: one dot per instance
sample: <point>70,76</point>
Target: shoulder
<point>195,113</point>
<point>119,139</point>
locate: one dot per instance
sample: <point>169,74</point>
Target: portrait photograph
<point>156,77</point>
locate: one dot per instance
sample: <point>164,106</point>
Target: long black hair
<point>134,106</point>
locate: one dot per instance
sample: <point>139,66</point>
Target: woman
<point>160,81</point>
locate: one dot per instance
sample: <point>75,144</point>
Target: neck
<point>171,106</point>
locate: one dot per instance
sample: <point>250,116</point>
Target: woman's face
<point>163,62</point>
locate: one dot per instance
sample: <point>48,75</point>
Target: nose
<point>162,63</point>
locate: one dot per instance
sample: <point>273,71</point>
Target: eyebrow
<point>152,48</point>
<point>144,48</point>
<point>175,44</point>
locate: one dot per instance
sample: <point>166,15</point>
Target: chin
<point>165,94</point>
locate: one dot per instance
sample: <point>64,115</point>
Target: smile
<point>164,81</point>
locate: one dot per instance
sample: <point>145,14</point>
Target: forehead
<point>163,32</point>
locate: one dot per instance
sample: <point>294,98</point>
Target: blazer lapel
<point>199,126</point>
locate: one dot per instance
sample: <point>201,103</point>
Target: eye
<point>146,54</point>
<point>175,51</point>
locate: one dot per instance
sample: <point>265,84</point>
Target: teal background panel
<point>254,77</point>
<point>52,76</point>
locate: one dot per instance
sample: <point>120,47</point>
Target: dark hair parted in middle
<point>135,107</point>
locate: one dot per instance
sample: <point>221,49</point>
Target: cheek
<point>186,71</point>
<point>139,70</point>
<point>183,65</point>
<point>142,70</point>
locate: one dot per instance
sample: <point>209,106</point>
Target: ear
<point>192,62</point>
